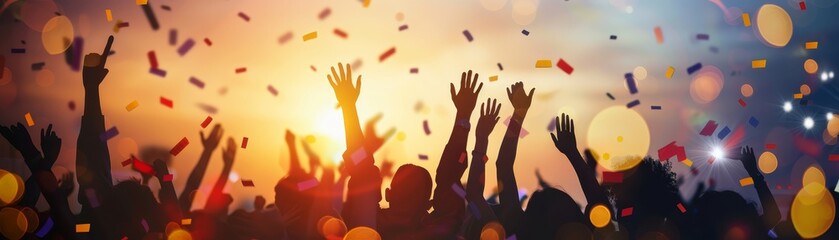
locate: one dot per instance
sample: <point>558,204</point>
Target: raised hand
<point>211,142</point>
<point>489,118</point>
<point>290,137</point>
<point>160,169</point>
<point>466,98</point>
<point>346,93</point>
<point>229,153</point>
<point>51,145</point>
<point>519,98</point>
<point>18,136</point>
<point>747,157</point>
<point>372,141</point>
<point>94,70</point>
<point>565,140</point>
<point>66,186</point>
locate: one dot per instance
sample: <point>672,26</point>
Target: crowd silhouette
<point>420,207</point>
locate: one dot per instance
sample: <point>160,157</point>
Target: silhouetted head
<point>548,211</point>
<point>131,205</point>
<point>410,189</point>
<point>650,190</point>
<point>289,199</point>
<point>725,215</point>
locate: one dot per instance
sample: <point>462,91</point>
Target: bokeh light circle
<point>180,234</point>
<point>362,233</point>
<point>811,66</point>
<point>57,35</point>
<point>13,223</point>
<point>707,85</point>
<point>45,78</point>
<point>11,188</point>
<point>171,227</point>
<point>32,219</point>
<point>600,216</point>
<point>812,210</point>
<point>804,89</point>
<point>493,231</point>
<point>767,162</point>
<point>334,227</point>
<point>773,25</point>
<point>833,126</point>
<point>813,175</point>
<point>493,5</point>
<point>7,76</point>
<point>524,11</point>
<point>640,73</point>
<point>747,90</point>
<point>127,146</point>
<point>619,121</point>
<point>400,16</point>
<point>36,13</point>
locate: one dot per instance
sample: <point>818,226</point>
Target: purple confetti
<point>186,46</point>
<point>110,133</point>
<point>655,107</point>
<point>414,70</point>
<point>157,71</point>
<point>630,82</point>
<point>45,229</point>
<point>358,155</point>
<point>694,68</point>
<point>197,82</point>
<point>423,157</point>
<point>403,27</point>
<point>634,103</point>
<point>703,36</point>
<point>272,90</point>
<point>525,32</point>
<point>723,133</point>
<point>173,37</point>
<point>468,35</point>
<point>18,50</point>
<point>305,185</point>
<point>426,128</point>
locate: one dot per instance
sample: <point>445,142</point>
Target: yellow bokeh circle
<point>624,122</point>
<point>600,216</point>
<point>13,223</point>
<point>812,210</point>
<point>334,227</point>
<point>747,90</point>
<point>768,162</point>
<point>180,234</point>
<point>362,233</point>
<point>813,175</point>
<point>804,89</point>
<point>706,85</point>
<point>493,231</point>
<point>774,25</point>
<point>57,35</point>
<point>811,66</point>
<point>11,188</point>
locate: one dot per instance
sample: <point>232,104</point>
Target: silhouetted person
<point>511,211</point>
<point>210,143</point>
<point>480,212</point>
<point>650,190</point>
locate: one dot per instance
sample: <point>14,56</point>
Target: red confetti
<point>179,147</point>
<point>272,90</point>
<point>244,142</point>
<point>206,122</point>
<point>612,177</point>
<point>166,102</point>
<point>770,146</point>
<point>325,13</point>
<point>833,157</point>
<point>72,105</point>
<point>313,68</point>
<point>247,183</point>
<point>387,54</point>
<point>681,207</point>
<point>742,103</point>
<point>208,42</point>
<point>245,17</point>
<point>486,158</point>
<point>241,70</point>
<point>340,33</point>
<point>802,5</point>
<point>142,167</point>
<point>462,157</point>
<point>659,35</point>
<point>561,64</point>
<point>127,162</point>
<point>167,177</point>
<point>626,212</point>
<point>671,150</point>
<point>153,60</point>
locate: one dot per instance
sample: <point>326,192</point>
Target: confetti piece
<point>244,16</point>
<point>73,55</point>
<point>197,82</point>
<point>612,177</point>
<point>208,42</point>
<point>166,102</point>
<point>359,155</point>
<point>45,228</point>
<point>132,105</point>
<point>158,72</point>
<point>142,167</point>
<point>694,68</point>
<point>18,50</point>
<point>746,182</point>
<point>310,36</point>
<point>493,78</point>
<point>703,36</point>
<point>742,102</point>
<point>423,157</point>
<point>387,54</point>
<point>340,33</point>
<point>206,122</point>
<point>659,36</point>
<point>687,162</point>
<point>543,63</point>
<point>770,146</point>
<point>166,7</point>
<point>753,121</point>
<point>108,15</point>
<point>168,177</point>
<point>746,20</point>
<point>29,121</point>
<point>173,37</point>
<point>709,128</point>
<point>127,162</point>
<point>272,90</point>
<point>500,68</point>
<point>247,183</point>
<point>241,70</point>
<point>145,224</point>
<point>613,37</point>
<point>525,32</point>
<point>71,105</point>
<point>468,35</point>
<point>110,133</point>
<point>150,16</point>
<point>802,5</point>
<point>186,46</point>
<point>414,70</point>
<point>306,185</point>
<point>655,107</point>
<point>83,228</point>
<point>811,45</point>
<point>833,157</point>
<point>626,212</point>
<point>153,59</point>
<point>424,127</point>
<point>186,221</point>
<point>244,142</point>
<point>634,103</point>
<point>287,36</point>
<point>486,158</point>
<point>462,157</point>
<point>561,64</point>
<point>366,3</point>
<point>523,133</point>
<point>121,24</point>
<point>459,190</point>
<point>759,63</point>
<point>723,133</point>
<point>36,66</point>
<point>681,207</point>
<point>610,96</point>
<point>90,193</point>
<point>671,150</point>
<point>179,147</point>
<point>630,83</point>
<point>142,2</point>
<point>315,69</point>
<point>403,27</point>
<point>324,13</point>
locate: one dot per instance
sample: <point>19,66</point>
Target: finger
<point>572,126</point>
<point>482,109</point>
<point>509,92</point>
<point>479,88</point>
<point>462,80</point>
<point>341,69</point>
<point>451,89</point>
<point>203,139</point>
<point>531,92</point>
<point>49,129</point>
<point>349,71</point>
<point>107,50</point>
<point>468,77</point>
<point>474,82</point>
<point>335,75</point>
<point>331,83</point>
<point>557,123</point>
<point>42,134</point>
<point>553,137</point>
<point>358,83</point>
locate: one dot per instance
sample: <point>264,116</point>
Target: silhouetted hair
<point>411,185</point>
<point>549,210</point>
<point>650,189</point>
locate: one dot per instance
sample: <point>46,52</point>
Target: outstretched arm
<point>294,168</point>
<point>510,204</point>
<point>167,195</point>
<point>475,185</point>
<point>194,181</point>
<point>347,95</point>
<point>565,141</point>
<point>218,201</point>
<point>771,214</point>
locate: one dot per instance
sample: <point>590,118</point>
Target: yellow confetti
<point>29,120</point>
<point>670,72</point>
<point>108,14</point>
<point>543,63</point>
<point>687,162</point>
<point>811,45</point>
<point>366,3</point>
<point>142,2</point>
<point>798,96</point>
<point>186,221</point>
<point>760,63</point>
<point>493,78</point>
<point>746,21</point>
<point>310,36</point>
<point>83,228</point>
<point>131,106</point>
<point>746,181</point>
